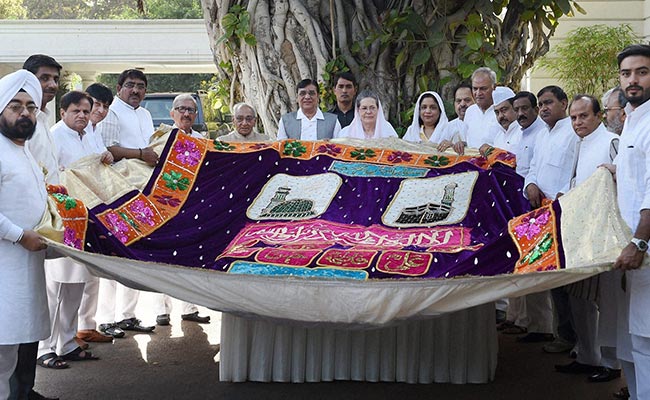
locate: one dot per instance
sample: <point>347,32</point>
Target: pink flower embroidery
<point>142,212</point>
<point>397,157</point>
<point>531,225</point>
<point>187,152</point>
<point>70,238</point>
<point>117,226</point>
<point>329,148</point>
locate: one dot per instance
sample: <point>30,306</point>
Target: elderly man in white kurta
<point>592,150</point>
<point>23,303</point>
<point>66,278</point>
<point>633,194</point>
<point>480,117</point>
<point>244,119</point>
<point>126,131</point>
<point>183,112</point>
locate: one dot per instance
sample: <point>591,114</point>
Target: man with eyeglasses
<point>125,131</point>
<point>23,303</point>
<point>244,119</point>
<point>614,101</point>
<point>183,113</point>
<point>309,122</point>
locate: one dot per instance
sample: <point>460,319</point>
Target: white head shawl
<point>11,84</point>
<point>383,128</point>
<point>439,133</point>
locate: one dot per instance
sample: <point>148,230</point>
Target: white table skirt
<point>460,347</point>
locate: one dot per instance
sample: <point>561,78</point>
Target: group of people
<point>64,307</point>
<point>53,306</point>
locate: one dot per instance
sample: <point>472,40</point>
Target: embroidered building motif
<point>281,208</point>
<point>430,212</point>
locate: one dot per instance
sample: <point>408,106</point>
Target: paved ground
<point>180,362</point>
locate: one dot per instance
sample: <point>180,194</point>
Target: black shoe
<point>622,394</point>
<point>501,316</point>
<point>194,317</point>
<point>111,330</point>
<point>162,320</point>
<point>575,367</point>
<point>133,324</point>
<point>34,395</point>
<point>605,375</point>
<point>535,337</point>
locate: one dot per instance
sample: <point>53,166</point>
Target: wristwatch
<point>640,244</point>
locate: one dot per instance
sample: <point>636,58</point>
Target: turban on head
<point>11,84</point>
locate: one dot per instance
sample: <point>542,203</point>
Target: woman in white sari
<point>369,121</point>
<point>430,122</point>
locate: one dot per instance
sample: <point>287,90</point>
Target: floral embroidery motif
<point>223,146</point>
<point>129,220</point>
<point>397,157</point>
<point>117,226</point>
<point>259,146</point>
<point>437,161</point>
<point>176,181</point>
<point>538,251</point>
<point>295,149</point>
<point>531,225</point>
<point>167,200</point>
<point>362,154</point>
<point>142,212</point>
<point>329,148</point>
<point>70,238</point>
<point>66,200</point>
<point>187,152</point>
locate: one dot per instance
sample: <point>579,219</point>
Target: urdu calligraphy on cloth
<point>326,209</point>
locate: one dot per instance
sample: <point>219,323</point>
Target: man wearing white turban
<point>23,304</point>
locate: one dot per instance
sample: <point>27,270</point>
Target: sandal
<point>79,354</point>
<point>51,360</point>
<point>515,330</point>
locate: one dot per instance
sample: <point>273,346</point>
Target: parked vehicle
<point>160,104</point>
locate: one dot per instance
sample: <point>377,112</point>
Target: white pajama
<point>63,303</point>
<point>539,312</point>
<point>8,361</point>
<point>109,310</point>
<point>164,305</point>
<point>88,306</point>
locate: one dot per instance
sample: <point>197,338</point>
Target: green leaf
<point>423,83</point>
<point>401,57</point>
<point>229,20</point>
<point>564,5</point>
<point>474,40</point>
<point>421,56</point>
<point>250,39</point>
<point>474,21</point>
<point>579,9</point>
<point>466,70</point>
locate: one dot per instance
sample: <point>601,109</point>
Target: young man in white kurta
<point>633,194</point>
<point>23,303</point>
<point>126,131</point>
<point>66,278</point>
<point>480,117</point>
<point>550,171</point>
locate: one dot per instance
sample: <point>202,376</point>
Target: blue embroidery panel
<point>252,268</point>
<point>380,171</point>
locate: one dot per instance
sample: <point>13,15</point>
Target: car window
<point>158,107</point>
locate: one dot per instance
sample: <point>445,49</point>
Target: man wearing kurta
<point>244,118</point>
<point>126,131</point>
<point>633,183</point>
<point>23,304</point>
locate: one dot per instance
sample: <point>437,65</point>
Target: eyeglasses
<point>304,93</point>
<point>19,108</point>
<point>131,85</point>
<point>184,110</point>
<point>247,118</point>
<point>607,109</point>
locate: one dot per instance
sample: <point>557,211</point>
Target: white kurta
<point>308,127</point>
<point>633,183</point>
<point>457,130</point>
<point>552,165</point>
<point>126,126</point>
<point>594,151</point>
<point>235,136</point>
<point>527,145</point>
<point>479,125</point>
<point>23,303</point>
<point>508,140</point>
<point>43,149</point>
